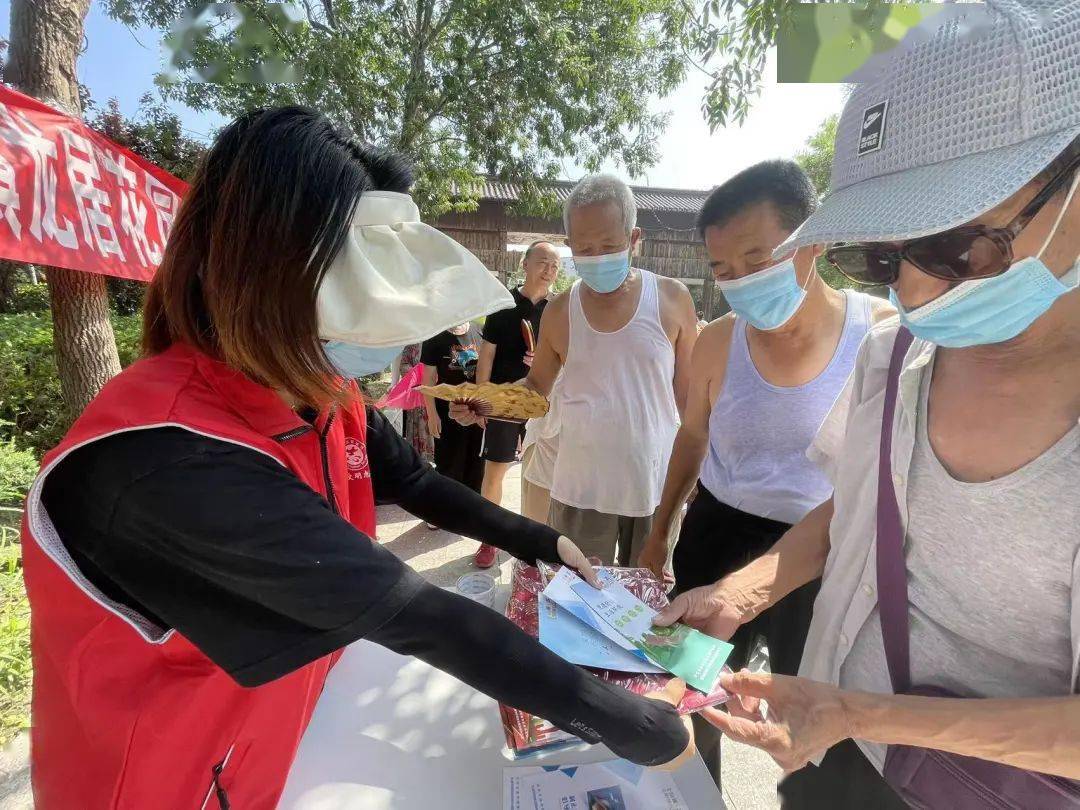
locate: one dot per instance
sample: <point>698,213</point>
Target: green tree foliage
<point>465,87</point>
<point>729,43</point>
<point>154,133</point>
<point>817,158</point>
<point>32,413</point>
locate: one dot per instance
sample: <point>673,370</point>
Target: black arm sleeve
<point>224,545</point>
<point>401,476</point>
<point>237,554</point>
<point>485,650</point>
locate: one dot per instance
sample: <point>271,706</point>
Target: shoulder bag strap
<point>891,566</point>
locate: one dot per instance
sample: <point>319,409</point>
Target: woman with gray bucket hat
<point>942,667</point>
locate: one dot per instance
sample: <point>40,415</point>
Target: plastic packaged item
<point>527,734</point>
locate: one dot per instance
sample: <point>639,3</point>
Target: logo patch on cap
<point>873,128</point>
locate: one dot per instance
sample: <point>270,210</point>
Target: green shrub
<point>15,666</point>
<point>30,298</point>
<point>128,330</point>
<point>17,471</point>
<point>126,297</point>
<point>32,413</point>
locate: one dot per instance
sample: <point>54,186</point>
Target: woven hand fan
<point>497,400</point>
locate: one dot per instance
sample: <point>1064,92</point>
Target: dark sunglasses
<point>968,252</point>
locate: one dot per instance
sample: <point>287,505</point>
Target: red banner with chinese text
<point>70,197</point>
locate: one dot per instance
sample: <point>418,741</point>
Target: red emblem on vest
<point>356,459</point>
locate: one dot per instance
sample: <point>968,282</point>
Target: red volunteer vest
<point>126,714</point>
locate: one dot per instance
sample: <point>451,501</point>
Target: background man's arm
<point>681,306</point>
<point>708,363</point>
<point>796,558</point>
<point>551,347</point>
<point>485,359</point>
<point>430,377</point>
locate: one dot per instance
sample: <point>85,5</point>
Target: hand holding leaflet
<point>681,650</point>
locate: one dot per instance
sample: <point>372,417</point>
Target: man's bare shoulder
<point>555,322</point>
<point>676,305</point>
<point>560,300</point>
<point>711,350</point>
<point>672,290</point>
<point>880,310</point>
<point>558,306</point>
<point>717,335</point>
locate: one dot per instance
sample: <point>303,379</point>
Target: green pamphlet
<point>681,650</point>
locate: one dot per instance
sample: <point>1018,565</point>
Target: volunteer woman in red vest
<point>200,544</point>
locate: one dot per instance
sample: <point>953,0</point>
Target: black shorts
<point>501,440</point>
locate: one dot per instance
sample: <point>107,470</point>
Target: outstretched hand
<point>804,718</point>
<point>654,556</point>
<point>705,609</point>
<point>575,558</point>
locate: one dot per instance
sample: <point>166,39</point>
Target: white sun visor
<point>397,281</point>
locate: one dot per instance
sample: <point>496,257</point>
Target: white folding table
<point>391,733</point>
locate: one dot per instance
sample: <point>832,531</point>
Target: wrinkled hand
<point>704,608</point>
<point>461,413</point>
<point>804,717</point>
<point>654,556</point>
<point>672,693</point>
<point>434,424</point>
<point>573,557</point>
<point>528,359</point>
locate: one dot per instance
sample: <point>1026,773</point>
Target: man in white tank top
<point>623,338</point>
<point>763,378</point>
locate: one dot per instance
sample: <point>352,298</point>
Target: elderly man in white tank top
<point>623,339</point>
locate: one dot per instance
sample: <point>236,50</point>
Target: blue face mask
<point>354,361</point>
<point>987,310</point>
<point>768,298</point>
<point>604,273</point>
<point>992,310</point>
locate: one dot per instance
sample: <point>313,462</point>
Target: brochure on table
<point>614,785</point>
<point>571,630</point>
<point>680,650</point>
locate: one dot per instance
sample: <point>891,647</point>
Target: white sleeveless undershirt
<point>618,416</point>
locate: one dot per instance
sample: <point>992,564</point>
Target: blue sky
<point>120,63</point>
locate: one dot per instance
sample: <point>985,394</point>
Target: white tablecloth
<point>392,732</point>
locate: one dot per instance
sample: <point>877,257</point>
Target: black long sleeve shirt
<point>252,566</point>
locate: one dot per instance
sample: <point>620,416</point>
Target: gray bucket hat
<point>957,124</point>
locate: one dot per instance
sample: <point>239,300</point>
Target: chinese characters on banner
<point>70,197</point>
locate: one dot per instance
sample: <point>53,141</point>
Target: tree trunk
<point>82,335</point>
<point>9,275</point>
<point>46,38</point>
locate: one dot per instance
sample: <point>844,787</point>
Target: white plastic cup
<point>479,587</point>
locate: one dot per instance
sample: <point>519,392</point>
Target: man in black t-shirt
<point>505,356</point>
